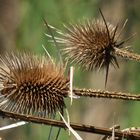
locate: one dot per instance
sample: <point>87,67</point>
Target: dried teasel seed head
<point>88,44</point>
<point>91,44</point>
<point>31,85</point>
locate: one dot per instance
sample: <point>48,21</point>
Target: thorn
<point>105,24</point>
<point>106,76</point>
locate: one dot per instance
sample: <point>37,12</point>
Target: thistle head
<point>91,44</point>
<point>31,85</point>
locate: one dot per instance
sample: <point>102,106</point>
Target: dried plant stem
<point>79,127</point>
<point>105,94</point>
<point>127,54</point>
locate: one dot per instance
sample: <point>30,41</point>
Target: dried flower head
<point>31,85</point>
<point>91,44</point>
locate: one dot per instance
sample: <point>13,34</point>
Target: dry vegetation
<point>35,88</point>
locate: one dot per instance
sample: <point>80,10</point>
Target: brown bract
<point>31,85</point>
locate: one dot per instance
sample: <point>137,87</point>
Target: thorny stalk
<point>127,54</point>
<point>75,126</point>
<point>105,94</point>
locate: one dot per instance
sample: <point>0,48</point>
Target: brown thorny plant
<point>34,85</point>
<point>94,44</point>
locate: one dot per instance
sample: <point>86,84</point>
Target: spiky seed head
<point>31,85</point>
<point>91,44</point>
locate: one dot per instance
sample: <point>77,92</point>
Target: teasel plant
<point>32,85</point>
<point>90,92</point>
<point>36,86</point>
<point>94,44</point>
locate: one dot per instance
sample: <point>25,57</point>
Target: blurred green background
<point>22,27</point>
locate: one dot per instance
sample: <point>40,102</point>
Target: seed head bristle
<point>31,85</point>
